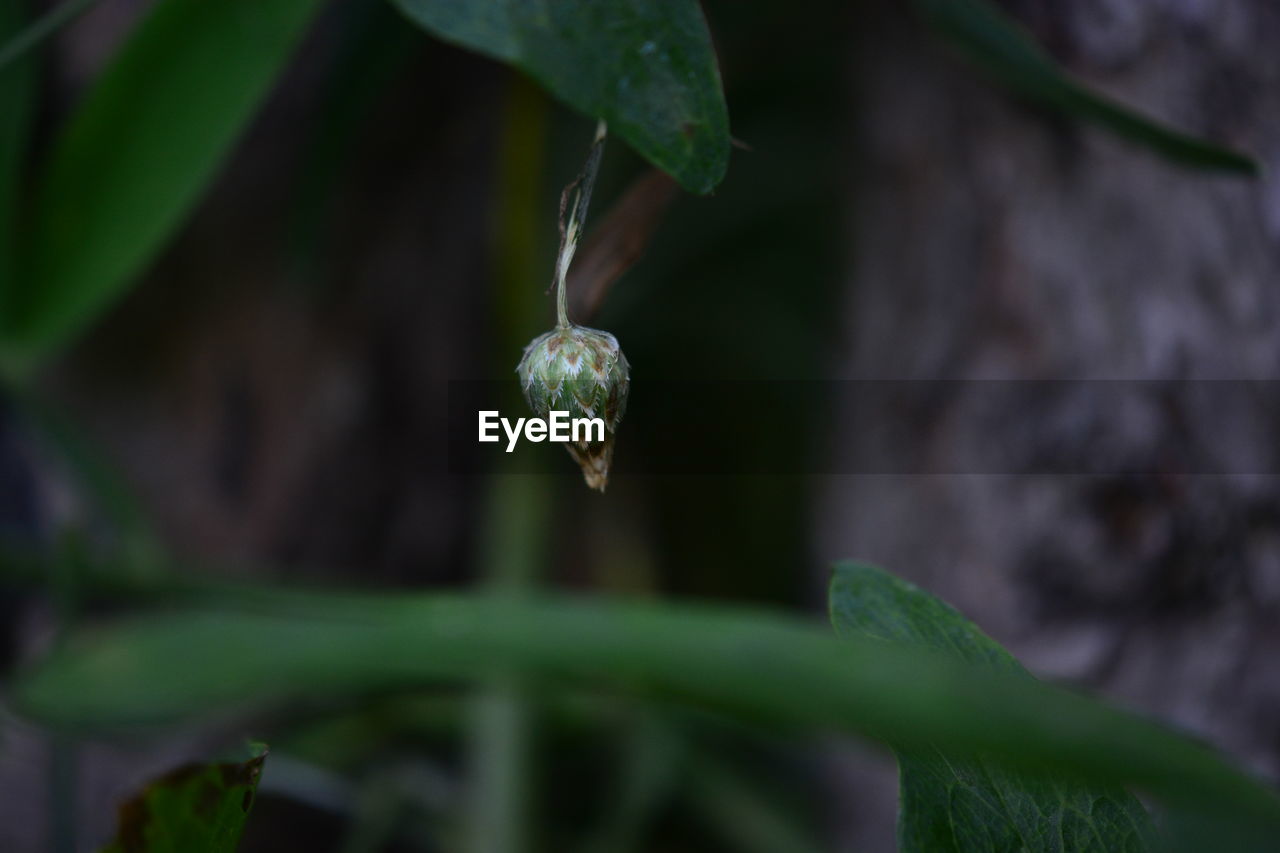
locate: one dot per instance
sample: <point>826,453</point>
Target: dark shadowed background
<point>275,391</point>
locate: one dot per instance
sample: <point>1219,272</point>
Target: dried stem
<point>574,200</point>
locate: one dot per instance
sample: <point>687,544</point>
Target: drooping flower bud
<point>583,372</point>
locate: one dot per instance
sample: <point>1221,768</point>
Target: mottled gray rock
<point>995,241</point>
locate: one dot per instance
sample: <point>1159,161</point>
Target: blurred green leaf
<point>139,150</point>
<point>374,44</point>
<point>754,663</point>
<point>996,44</point>
<point>647,68</point>
<point>16,84</point>
<point>950,803</point>
<point>197,808</point>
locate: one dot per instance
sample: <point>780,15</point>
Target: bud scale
<point>583,372</point>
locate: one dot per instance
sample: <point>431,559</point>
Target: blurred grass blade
<point>647,68</point>
<point>375,45</point>
<point>744,815</point>
<point>139,150</point>
<point>990,39</point>
<point>14,43</point>
<point>196,808</point>
<point>136,541</point>
<point>16,88</point>
<point>952,804</point>
<point>654,755</point>
<point>753,663</point>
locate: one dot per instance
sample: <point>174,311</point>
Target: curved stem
<point>571,229</point>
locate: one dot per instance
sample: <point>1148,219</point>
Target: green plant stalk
<point>63,769</point>
<point>519,221</point>
<point>378,809</point>
<point>64,750</point>
<point>514,524</point>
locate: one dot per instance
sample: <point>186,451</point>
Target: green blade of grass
<point>747,817</point>
<point>754,663</point>
<point>997,45</point>
<point>653,757</point>
<point>102,482</point>
<point>135,156</point>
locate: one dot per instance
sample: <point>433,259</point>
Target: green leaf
<point>196,808</point>
<point>950,803</point>
<point>997,45</point>
<point>647,68</point>
<point>135,157</point>
<point>750,662</point>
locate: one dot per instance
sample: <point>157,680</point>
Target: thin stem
<point>517,515</point>
<point>515,524</point>
<point>64,751</point>
<point>518,239</point>
<point>571,230</point>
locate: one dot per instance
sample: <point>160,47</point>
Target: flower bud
<point>583,372</point>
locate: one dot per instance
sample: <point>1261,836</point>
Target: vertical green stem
<point>519,510</point>
<point>518,239</point>
<point>517,514</point>
<point>64,750</point>
<point>517,520</point>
